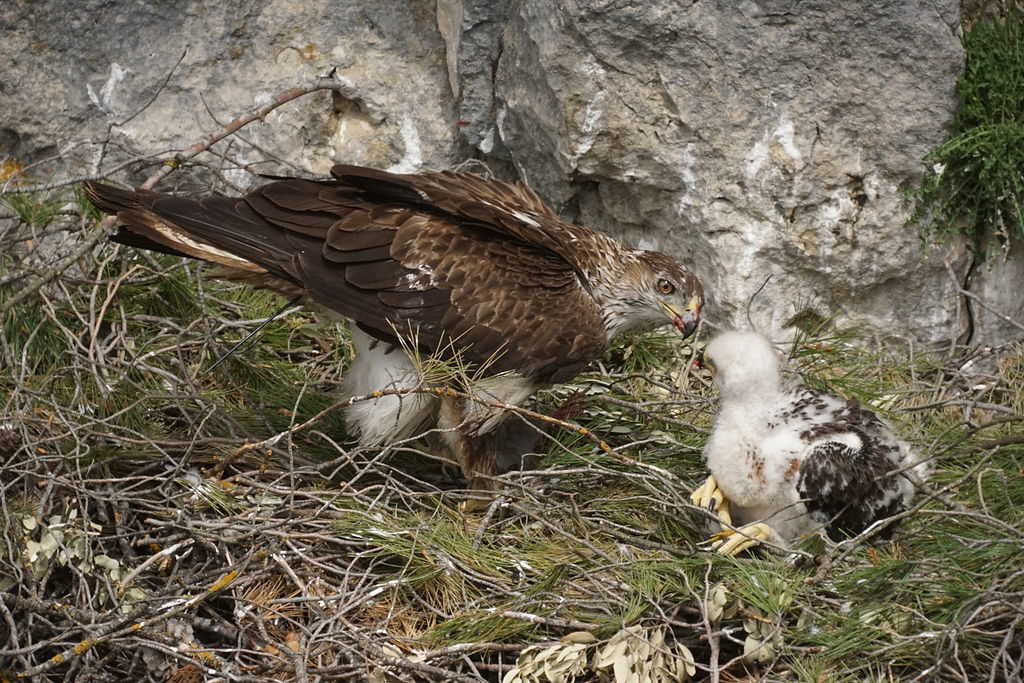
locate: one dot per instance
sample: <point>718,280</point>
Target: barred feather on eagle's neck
<point>625,286</point>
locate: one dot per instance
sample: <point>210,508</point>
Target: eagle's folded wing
<point>457,261</point>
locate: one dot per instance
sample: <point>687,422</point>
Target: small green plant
<point>33,208</point>
<point>975,182</point>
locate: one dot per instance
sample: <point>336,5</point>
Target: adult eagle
<point>450,262</point>
<point>790,461</point>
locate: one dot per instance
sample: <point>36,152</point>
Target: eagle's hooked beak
<point>687,320</point>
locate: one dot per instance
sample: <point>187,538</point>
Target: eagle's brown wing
<point>467,263</point>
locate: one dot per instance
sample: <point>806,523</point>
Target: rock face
<point>997,306</point>
<point>747,139</point>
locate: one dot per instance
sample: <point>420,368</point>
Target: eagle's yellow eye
<point>666,287</point>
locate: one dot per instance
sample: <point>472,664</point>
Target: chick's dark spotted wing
<point>847,477</point>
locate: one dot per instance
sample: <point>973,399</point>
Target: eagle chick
<point>787,461</point>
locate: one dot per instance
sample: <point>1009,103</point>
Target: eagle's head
<point>660,292</point>
<point>745,365</point>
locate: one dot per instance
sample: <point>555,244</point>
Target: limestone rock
<point>473,58</point>
<point>997,314</point>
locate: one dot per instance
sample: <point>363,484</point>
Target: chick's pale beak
<point>687,320</point>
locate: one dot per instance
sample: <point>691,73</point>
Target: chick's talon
<point>733,542</point>
<point>712,498</point>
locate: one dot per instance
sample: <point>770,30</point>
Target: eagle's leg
<point>474,453</point>
<point>710,497</point>
<point>484,435</point>
<point>733,542</point>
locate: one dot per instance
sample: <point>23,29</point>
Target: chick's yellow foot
<point>472,506</point>
<point>733,542</point>
<point>710,497</point>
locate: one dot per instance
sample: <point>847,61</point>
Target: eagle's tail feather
<point>110,199</point>
<point>213,230</point>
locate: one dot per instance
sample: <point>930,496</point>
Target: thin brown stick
<point>331,83</point>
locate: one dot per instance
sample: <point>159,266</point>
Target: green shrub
<point>975,181</point>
